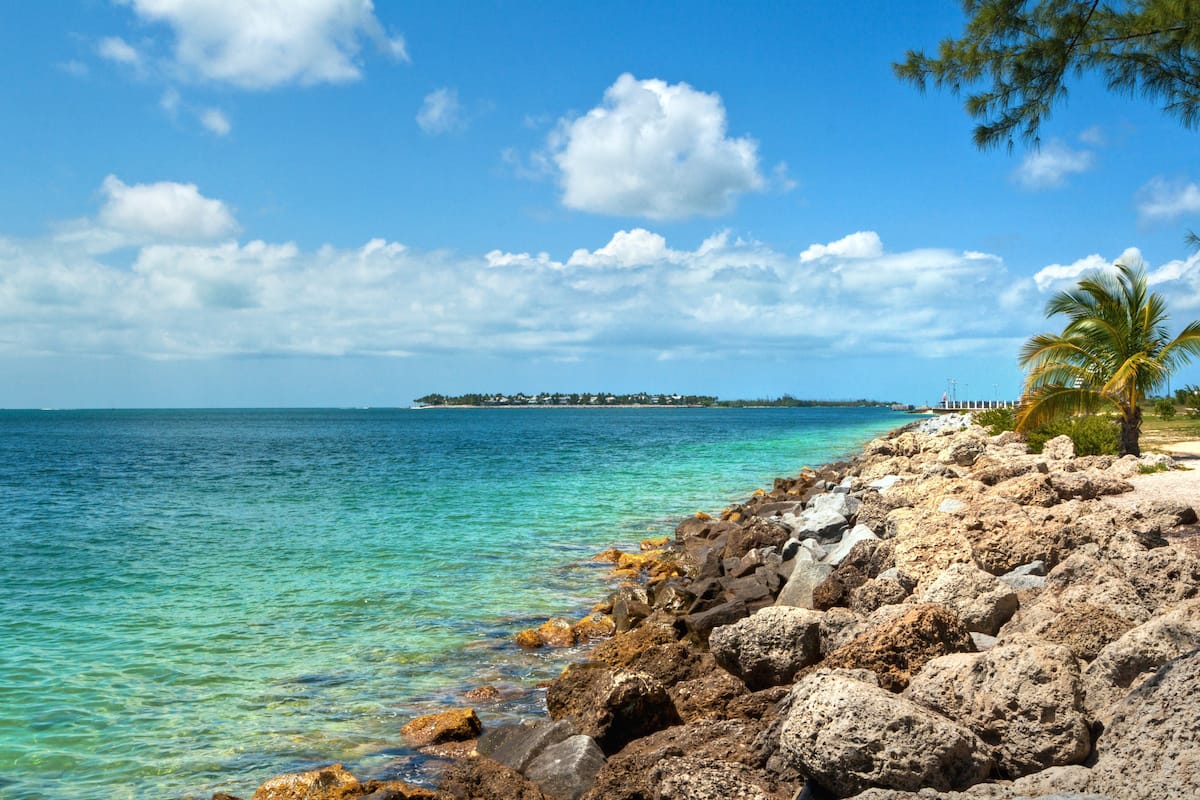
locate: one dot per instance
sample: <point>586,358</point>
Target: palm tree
<point>1113,352</point>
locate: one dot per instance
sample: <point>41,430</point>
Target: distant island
<point>639,399</point>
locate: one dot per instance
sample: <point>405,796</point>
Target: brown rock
<point>896,650</point>
<point>876,593</point>
<point>480,778</point>
<point>1084,629</point>
<point>327,783</point>
<point>709,696</point>
<point>448,726</point>
<point>613,707</point>
<point>530,639</point>
<point>482,694</point>
<point>594,626</point>
<point>756,533</point>
<point>654,650</point>
<point>557,632</point>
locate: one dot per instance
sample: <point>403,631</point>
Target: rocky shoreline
<point>944,616</point>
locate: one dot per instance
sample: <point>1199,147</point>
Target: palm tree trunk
<point>1131,429</point>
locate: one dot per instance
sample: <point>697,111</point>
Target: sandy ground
<point>1180,484</point>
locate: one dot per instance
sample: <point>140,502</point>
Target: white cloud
<point>117,50</point>
<point>441,112</point>
<point>1049,166</point>
<point>169,102</point>
<point>1094,136</point>
<point>164,210</point>
<point>215,121</point>
<point>638,247</point>
<point>1162,200</point>
<point>654,150</point>
<point>863,244</point>
<point>261,44</point>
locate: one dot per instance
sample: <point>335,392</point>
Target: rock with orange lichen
<point>335,783</point>
<point>482,694</point>
<point>654,543</point>
<point>702,516</point>
<point>594,626</point>
<point>557,632</point>
<point>610,556</point>
<point>530,639</point>
<point>456,725</point>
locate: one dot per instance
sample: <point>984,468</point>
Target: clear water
<point>193,601</point>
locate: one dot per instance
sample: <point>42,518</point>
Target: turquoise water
<point>193,601</point>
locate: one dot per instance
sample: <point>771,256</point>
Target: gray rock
<point>790,549</point>
<point>770,646</point>
<point>983,641</point>
<point>690,778</point>
<point>858,534</point>
<point>565,771</point>
<point>798,591</point>
<point>841,504</point>
<point>850,736</point>
<point>518,744</point>
<point>821,524</point>
<point>884,483</point>
<point>1026,576</point>
<point>1151,749</point>
<point>951,505</point>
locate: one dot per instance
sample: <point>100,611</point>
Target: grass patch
<point>1150,469</point>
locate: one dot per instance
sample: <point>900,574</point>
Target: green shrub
<point>1093,435</point>
<point>997,420</point>
<point>1164,408</point>
<point>1150,469</point>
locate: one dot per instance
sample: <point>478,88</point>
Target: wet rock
<point>769,647</point>
<point>1151,749</point>
<point>530,639</point>
<point>1023,698</point>
<point>448,726</point>
<point>613,707</point>
<point>981,601</point>
<point>850,736</point>
<point>897,649</point>
<point>566,770</point>
<point>557,632</point>
<point>518,744</point>
<point>630,606</point>
<point>482,778</point>
<point>327,783</point>
<point>592,627</point>
<point>482,694</point>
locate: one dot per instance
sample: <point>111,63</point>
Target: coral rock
<point>448,726</point>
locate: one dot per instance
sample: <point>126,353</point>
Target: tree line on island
<point>636,399</point>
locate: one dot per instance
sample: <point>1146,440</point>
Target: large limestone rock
<point>981,601</point>
<point>1131,659</point>
<point>1151,749</point>
<point>769,647</point>
<point>613,707</point>
<point>850,736</point>
<point>925,551</point>
<point>1024,699</point>
<point>824,525</point>
<point>1060,448</point>
<point>805,577</point>
<point>688,778</point>
<point>900,647</point>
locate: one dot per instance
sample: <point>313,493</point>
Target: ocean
<point>194,601</point>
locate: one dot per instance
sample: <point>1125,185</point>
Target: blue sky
<point>207,203</point>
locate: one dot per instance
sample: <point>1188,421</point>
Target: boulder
<point>839,503</point>
<point>756,533</point>
<point>689,778</point>
<point>798,591</point>
<point>699,625</point>
<point>1125,663</point>
<point>879,592</point>
<point>923,552</point>
<point>1084,629</point>
<point>823,525</point>
<point>963,452</point>
<point>516,745</point>
<point>557,632</point>
<point>1030,489</point>
<point>860,533</point>
<point>458,725</point>
<point>1151,748</point>
<point>850,736</point>
<point>898,648</point>
<point>1023,698</point>
<point>327,783</point>
<point>981,601</point>
<point>611,706</point>
<point>712,695</point>
<point>1060,448</point>
<point>654,650</point>
<point>481,778</point>
<point>770,646</point>
<point>566,770</point>
<point>593,626</point>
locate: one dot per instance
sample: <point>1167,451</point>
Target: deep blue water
<point>193,601</point>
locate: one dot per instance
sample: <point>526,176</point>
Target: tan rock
<point>981,601</point>
<point>327,783</point>
<point>457,725</point>
<point>1031,489</point>
<point>1024,698</point>
<point>1060,448</point>
<point>928,545</point>
<point>594,626</point>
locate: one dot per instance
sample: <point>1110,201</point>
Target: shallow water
<point>193,601</point>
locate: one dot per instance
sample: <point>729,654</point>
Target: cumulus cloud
<point>441,112</point>
<point>863,244</point>
<point>215,121</point>
<point>1049,166</point>
<point>655,150</point>
<point>1162,200</point>
<point>163,210</point>
<point>261,44</point>
<point>117,50</point>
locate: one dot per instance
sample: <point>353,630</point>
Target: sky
<point>333,203</point>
